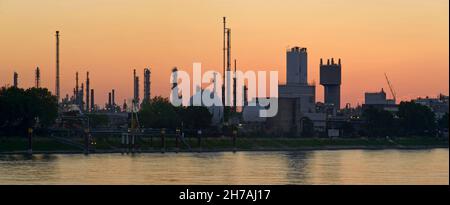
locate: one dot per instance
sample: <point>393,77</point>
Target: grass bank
<point>107,144</point>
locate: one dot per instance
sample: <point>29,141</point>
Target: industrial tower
<point>16,80</point>
<point>226,79</point>
<point>147,84</point>
<point>136,88</point>
<point>297,66</point>
<point>37,78</point>
<point>330,79</point>
<point>57,66</point>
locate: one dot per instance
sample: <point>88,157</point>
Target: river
<point>427,166</point>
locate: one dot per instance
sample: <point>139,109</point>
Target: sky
<point>407,39</point>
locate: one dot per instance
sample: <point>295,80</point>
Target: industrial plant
<point>299,111</point>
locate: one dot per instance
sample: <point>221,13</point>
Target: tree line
<point>21,109</point>
<point>412,119</point>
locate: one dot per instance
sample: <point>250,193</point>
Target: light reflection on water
<point>306,167</point>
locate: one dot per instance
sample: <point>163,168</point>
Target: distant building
<point>439,105</point>
<point>378,100</point>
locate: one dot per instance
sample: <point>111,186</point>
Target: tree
<point>443,122</point>
<point>158,113</point>
<point>195,117</point>
<point>20,109</point>
<point>416,119</point>
<point>378,123</point>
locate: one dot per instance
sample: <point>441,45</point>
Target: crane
<point>391,88</point>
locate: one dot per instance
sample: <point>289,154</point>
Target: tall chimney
<point>146,84</point>
<point>228,87</point>
<point>113,98</point>
<point>135,87</point>
<point>87,92</point>
<point>224,58</point>
<point>109,101</point>
<point>76,88</point>
<point>92,99</point>
<point>15,79</point>
<point>137,90</point>
<point>234,88</point>
<point>57,66</point>
<point>37,77</point>
<point>80,98</point>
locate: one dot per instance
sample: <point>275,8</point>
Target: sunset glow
<point>407,39</point>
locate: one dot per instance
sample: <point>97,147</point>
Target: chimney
<point>57,66</point>
<point>109,101</point>
<point>16,79</point>
<point>87,92</point>
<point>37,77</point>
<point>76,87</point>
<point>92,99</point>
<point>113,98</point>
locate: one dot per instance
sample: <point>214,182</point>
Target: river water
<point>430,166</point>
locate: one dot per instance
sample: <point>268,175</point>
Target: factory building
<point>330,79</point>
<point>379,100</point>
<point>296,99</point>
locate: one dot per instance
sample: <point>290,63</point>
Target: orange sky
<point>407,39</point>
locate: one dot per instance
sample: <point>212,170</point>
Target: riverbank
<point>48,145</point>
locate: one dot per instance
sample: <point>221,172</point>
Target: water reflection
<point>298,167</point>
<point>308,167</point>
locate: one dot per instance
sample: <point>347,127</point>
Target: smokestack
<point>37,77</point>
<point>15,79</point>
<point>92,99</point>
<point>147,84</point>
<point>228,83</point>
<point>224,64</point>
<point>228,49</point>
<point>245,95</point>
<point>136,87</point>
<point>76,87</point>
<point>57,65</point>
<point>87,92</point>
<point>109,101</point>
<point>113,98</point>
<point>137,90</point>
<point>234,87</point>
<point>81,96</point>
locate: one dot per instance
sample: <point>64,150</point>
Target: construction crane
<point>394,95</point>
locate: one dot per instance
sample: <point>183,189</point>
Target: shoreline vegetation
<point>50,145</point>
